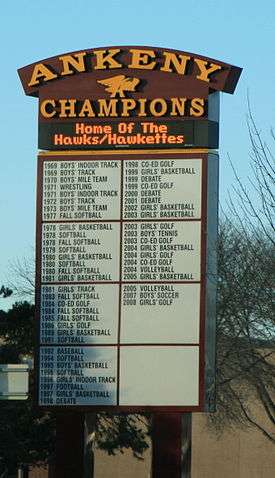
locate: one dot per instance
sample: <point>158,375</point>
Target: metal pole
<point>69,445</point>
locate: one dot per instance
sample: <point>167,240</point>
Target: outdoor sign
<point>128,97</point>
<point>127,227</point>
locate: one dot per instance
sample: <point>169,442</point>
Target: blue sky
<point>236,32</point>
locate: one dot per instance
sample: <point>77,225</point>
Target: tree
<point>252,203</point>
<point>245,328</point>
<point>26,434</point>
<point>22,277</point>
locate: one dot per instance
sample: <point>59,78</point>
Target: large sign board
<point>128,98</point>
<point>122,279</point>
<point>127,227</point>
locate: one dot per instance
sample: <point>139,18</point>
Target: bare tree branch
<point>21,277</point>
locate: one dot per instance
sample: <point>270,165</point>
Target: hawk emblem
<point>117,85</point>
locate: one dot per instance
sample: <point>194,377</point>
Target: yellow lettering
<point>44,106</point>
<point>41,73</point>
<point>141,59</point>
<point>107,107</point>
<point>69,61</point>
<point>86,109</point>
<point>142,104</point>
<point>163,107</point>
<point>67,109</point>
<point>179,62</point>
<point>101,59</point>
<point>127,105</point>
<point>197,107</point>
<point>177,106</point>
<point>205,70</point>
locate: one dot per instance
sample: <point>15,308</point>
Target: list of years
<point>87,314</point>
<point>79,314</point>
<point>78,375</point>
<point>162,189</point>
<point>160,313</point>
<point>161,251</point>
<point>81,190</point>
<point>80,252</point>
<point>91,252</point>
<point>120,266</point>
<point>151,189</point>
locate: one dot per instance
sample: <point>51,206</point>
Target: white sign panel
<point>167,374</point>
<point>80,252</point>
<point>79,314</point>
<point>81,190</point>
<point>122,284</point>
<point>160,313</point>
<point>161,251</point>
<point>162,189</point>
<point>78,376</point>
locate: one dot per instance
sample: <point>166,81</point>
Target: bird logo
<point>117,85</point>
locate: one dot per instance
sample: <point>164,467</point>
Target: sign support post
<point>171,443</point>
<point>69,457</point>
